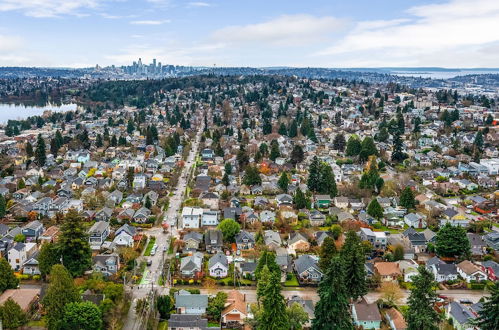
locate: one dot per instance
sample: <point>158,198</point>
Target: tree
<point>397,154</point>
<point>314,175</point>
<point>478,142</point>
<point>230,229</point>
<point>228,168</point>
<point>383,135</point>
<point>130,127</point>
<point>374,209</point>
<point>421,314</point>
<point>398,252</point>
<point>452,242</point>
<point>282,129</point>
<point>353,146</point>
<point>300,200</point>
<point>297,317</point>
<point>273,314</point>
<point>252,176</point>
<point>332,309</point>
<point>49,255</point>
<point>164,305</point>
<point>268,259</point>
<point>29,150</point>
<point>7,278</point>
<point>61,292</point>
<point>327,183</point>
<point>489,120</point>
<point>40,154</point>
<point>98,141</point>
<point>3,206</point>
<point>82,315</point>
<point>11,315</point>
<point>274,150</point>
<point>339,142</point>
<point>407,199</point>
<point>326,253</point>
<point>73,244</point>
<point>216,305</point>
<point>226,179</point>
<point>293,129</point>
<point>353,257</point>
<point>262,282</point>
<point>391,293</point>
<point>488,317</point>
<point>368,148</point>
<point>283,181</point>
<point>297,154</point>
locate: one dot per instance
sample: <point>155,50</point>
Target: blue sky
<point>318,33</point>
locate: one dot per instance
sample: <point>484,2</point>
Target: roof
<point>305,262</point>
<point>188,300</point>
<point>397,319</point>
<point>23,297</point>
<point>387,268</point>
<point>367,312</point>
<point>237,301</point>
<point>468,267</point>
<point>460,313</point>
<point>218,258</point>
<point>187,321</point>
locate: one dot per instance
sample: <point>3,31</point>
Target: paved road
<point>311,294</point>
<point>153,273</point>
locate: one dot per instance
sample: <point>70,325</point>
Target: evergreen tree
<point>327,252</point>
<point>164,304</point>
<point>374,209</point>
<point>225,180</point>
<point>383,135</point>
<point>293,129</point>
<point>397,154</point>
<point>59,139</point>
<point>407,199</point>
<point>262,283</point>
<point>339,142</point>
<point>3,206</point>
<point>130,127</point>
<point>49,256</point>
<point>283,182</point>
<point>314,175</point>
<point>268,259</point>
<point>353,257</point>
<point>12,316</point>
<point>61,292</point>
<point>282,129</point>
<point>367,149</point>
<point>40,154</point>
<point>29,150</point>
<point>228,168</point>
<point>452,242</point>
<point>488,317</point>
<point>327,183</point>
<point>297,154</point>
<point>273,313</point>
<point>54,149</point>
<point>252,176</point>
<point>421,314</point>
<point>7,278</point>
<point>353,146</point>
<point>267,127</point>
<point>300,200</point>
<point>332,310</point>
<point>98,142</point>
<point>73,244</point>
<point>478,143</point>
<point>274,150</point>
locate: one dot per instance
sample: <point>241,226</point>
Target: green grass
<point>390,230</point>
<point>292,282</point>
<point>213,324</point>
<point>150,244</point>
<point>163,325</point>
<point>39,323</point>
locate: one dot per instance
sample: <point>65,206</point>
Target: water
<point>16,111</point>
<point>440,74</point>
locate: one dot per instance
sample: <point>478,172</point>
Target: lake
<point>17,111</point>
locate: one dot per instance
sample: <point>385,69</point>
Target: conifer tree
<point>407,198</point>
<point>273,312</point>
<point>353,257</point>
<point>3,206</point>
<point>73,244</point>
<point>283,182</point>
<point>421,314</point>
<point>29,150</point>
<point>327,252</point>
<point>300,200</point>
<point>332,309</point>
<point>374,209</point>
<point>40,154</point>
<point>313,181</point>
<point>353,146</point>
<point>488,317</point>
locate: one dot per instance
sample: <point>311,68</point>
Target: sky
<point>256,33</point>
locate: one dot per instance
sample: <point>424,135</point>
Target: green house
<point>323,201</point>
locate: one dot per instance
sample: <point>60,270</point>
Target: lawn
<point>292,282</point>
<point>390,230</point>
<point>150,244</point>
<point>213,324</point>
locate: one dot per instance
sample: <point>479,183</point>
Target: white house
<point>218,265</point>
<point>191,217</point>
<point>470,272</point>
<point>209,218</point>
<point>415,220</point>
<point>19,254</point>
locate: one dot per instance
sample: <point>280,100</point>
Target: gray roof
<point>305,262</point>
<point>218,258</point>
<point>188,321</point>
<point>193,236</point>
<point>188,300</point>
<point>460,313</point>
<point>446,269</point>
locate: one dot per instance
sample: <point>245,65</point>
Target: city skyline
<point>83,33</point>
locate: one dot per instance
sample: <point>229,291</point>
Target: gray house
<point>107,264</point>
<point>307,269</point>
<point>33,230</point>
<point>187,303</point>
<point>213,240</point>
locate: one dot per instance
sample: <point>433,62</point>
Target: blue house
<point>33,230</point>
<point>366,315</point>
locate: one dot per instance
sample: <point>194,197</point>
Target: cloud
<point>286,30</point>
<point>150,22</point>
<point>446,34</point>
<point>49,8</point>
<point>198,4</point>
<point>9,43</point>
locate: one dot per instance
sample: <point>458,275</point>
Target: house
<point>491,268</point>
<point>323,201</point>
<point>50,235</point>
<point>213,240</point>
<point>307,305</point>
<point>377,238</point>
<point>98,234</point>
<point>192,241</point>
<point>470,272</point>
<point>19,253</point>
<point>33,230</point>
<point>477,244</point>
<point>141,215</point>
<point>235,311</point>
<point>191,217</point>
<point>267,216</point>
<point>341,202</point>
<point>272,239</point>
<point>245,240</point>
<point>395,319</point>
<point>321,235</point>
<point>462,316</point>
<point>191,266</point>
<point>104,214</point>
<point>25,298</point>
<point>444,272</point>
<point>209,218</point>
<point>388,271</point>
<point>187,303</point>
<point>298,242</point>
<point>107,264</point>
<point>492,240</point>
<point>415,220</point>
<point>31,266</point>
<point>316,218</point>
<point>366,315</point>
<point>247,269</point>
<point>409,268</point>
<point>284,199</point>
<point>307,269</point>
<point>218,265</point>
<point>124,236</point>
<point>187,322</point>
